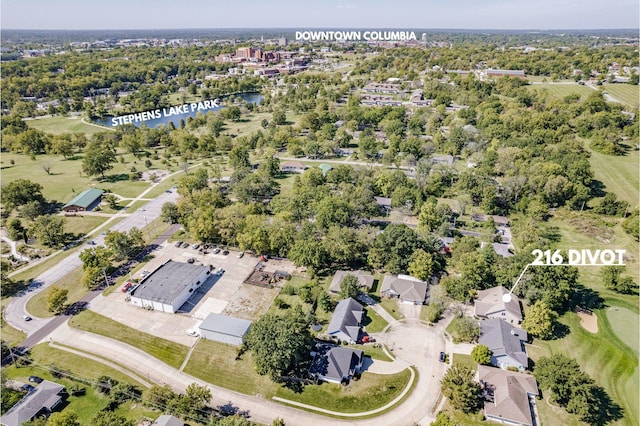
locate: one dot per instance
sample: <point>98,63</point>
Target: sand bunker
<point>589,322</point>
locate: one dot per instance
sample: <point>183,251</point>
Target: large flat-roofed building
<point>169,286</point>
<point>225,329</point>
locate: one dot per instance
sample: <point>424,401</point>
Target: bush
<point>289,290</point>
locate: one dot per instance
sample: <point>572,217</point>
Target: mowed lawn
<point>82,225</point>
<point>38,304</point>
<point>58,125</point>
<point>67,180</point>
<point>167,351</point>
<point>85,406</point>
<point>561,90</point>
<point>603,356</point>
<point>626,325</point>
<point>619,174</point>
<point>626,93</point>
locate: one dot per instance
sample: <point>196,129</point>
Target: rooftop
<point>168,281</point>
<point>346,318</point>
<point>335,362</point>
<point>364,279</point>
<point>406,286</point>
<point>490,301</point>
<point>45,395</point>
<point>503,339</point>
<point>226,325</point>
<point>510,392</point>
<point>85,198</point>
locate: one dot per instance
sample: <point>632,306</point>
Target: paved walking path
<point>12,244</point>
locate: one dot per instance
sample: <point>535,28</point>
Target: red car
<point>126,287</point>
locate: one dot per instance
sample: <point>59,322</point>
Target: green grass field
<point>85,406</point>
<point>169,352</point>
<point>373,322</point>
<point>619,174</point>
<point>608,360</point>
<point>58,125</point>
<point>626,326</point>
<point>37,305</point>
<point>66,179</point>
<point>82,225</point>
<point>216,363</point>
<point>626,93</point>
<point>370,392</point>
<point>561,90</point>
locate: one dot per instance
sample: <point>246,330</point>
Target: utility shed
<point>225,329</point>
<point>169,286</point>
<point>85,201</point>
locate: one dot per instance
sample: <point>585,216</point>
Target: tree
<point>47,167</point>
<point>111,200</point>
<point>280,344</point>
<point>349,287</point>
<point>421,265</point>
<point>459,386</point>
<point>540,321</point>
<point>97,160</point>
<point>57,300</point>
<point>64,418</point>
<point>109,418</point>
<point>16,230</point>
<point>195,400</point>
<point>160,396</point>
<point>93,277</point>
<point>124,244</point>
<point>170,213</point>
<point>232,113</point>
<point>481,354</point>
<point>631,225</point>
<point>443,419</point>
<point>393,248</point>
<point>32,210</point>
<point>279,117</point>
<point>309,253</point>
<point>99,257</point>
<point>20,192</point>
<point>49,230</point>
<point>435,309</point>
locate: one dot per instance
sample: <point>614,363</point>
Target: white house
<point>490,304</point>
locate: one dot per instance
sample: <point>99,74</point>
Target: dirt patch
<point>250,302</point>
<point>154,175</point>
<point>588,321</point>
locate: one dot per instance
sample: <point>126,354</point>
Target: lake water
<point>172,114</point>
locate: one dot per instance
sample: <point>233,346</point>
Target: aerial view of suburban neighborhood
<point>366,213</point>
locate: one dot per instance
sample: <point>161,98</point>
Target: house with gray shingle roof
<point>506,343</point>
<point>335,364</point>
<point>508,395</point>
<point>365,280</point>
<point>405,287</point>
<point>39,402</point>
<point>490,304</point>
<point>346,320</point>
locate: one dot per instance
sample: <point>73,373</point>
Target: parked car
<point>195,246</point>
<point>216,250</point>
<point>35,379</point>
<point>27,387</point>
<point>178,244</point>
<point>185,245</point>
<point>225,252</point>
<point>240,255</point>
<point>26,318</point>
<point>192,333</point>
<point>442,357</point>
<point>219,271</point>
<point>191,260</point>
<point>126,287</point>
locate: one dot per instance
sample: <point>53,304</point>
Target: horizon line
<point>324,28</point>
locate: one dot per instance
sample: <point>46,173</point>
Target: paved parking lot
<point>224,293</point>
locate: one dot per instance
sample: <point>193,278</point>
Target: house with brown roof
<point>509,396</point>
<point>405,287</point>
<point>490,304</point>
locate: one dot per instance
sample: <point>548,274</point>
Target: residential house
<point>407,288</point>
<point>168,420</point>
<point>506,343</point>
<point>293,166</point>
<point>39,402</point>
<point>335,364</point>
<point>85,201</point>
<point>364,279</point>
<point>509,396</point>
<point>345,324</point>
<point>491,304</point>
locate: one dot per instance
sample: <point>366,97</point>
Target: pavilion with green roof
<point>85,201</point>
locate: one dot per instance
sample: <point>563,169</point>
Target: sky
<point>303,14</point>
